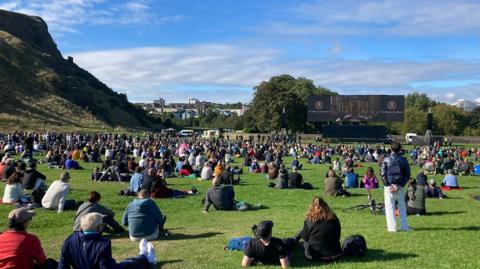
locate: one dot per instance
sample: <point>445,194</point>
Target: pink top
<point>370,183</point>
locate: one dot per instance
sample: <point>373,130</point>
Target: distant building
<point>159,103</point>
<point>466,105</point>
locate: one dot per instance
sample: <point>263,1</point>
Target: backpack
<point>354,246</point>
<point>394,173</point>
<point>238,243</point>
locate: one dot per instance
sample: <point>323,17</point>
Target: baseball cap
<point>91,221</point>
<point>264,229</point>
<point>21,215</point>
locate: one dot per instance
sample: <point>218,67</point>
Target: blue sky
<point>218,50</point>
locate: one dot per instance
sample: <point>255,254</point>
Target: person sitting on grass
<point>321,233</point>
<point>450,180</point>
<point>9,169</point>
<point>32,179</point>
<point>265,249</point>
<point>186,170</point>
<point>56,196</point>
<point>136,182</point>
<point>432,191</point>
<point>333,185</point>
<point>71,164</point>
<point>296,163</point>
<point>295,179</point>
<point>13,190</point>
<point>93,206</point>
<point>207,172</point>
<point>351,178</point>
<point>220,196</point>
<point>19,249</point>
<point>281,182</point>
<point>369,180</point>
<point>144,218</point>
<point>415,198</point>
<point>96,174</point>
<point>89,249</point>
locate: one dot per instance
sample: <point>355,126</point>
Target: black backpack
<point>354,246</point>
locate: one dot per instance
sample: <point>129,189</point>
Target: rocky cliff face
<point>38,85</point>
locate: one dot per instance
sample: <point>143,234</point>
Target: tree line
<point>280,103</point>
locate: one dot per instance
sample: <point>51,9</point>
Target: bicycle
<point>375,208</point>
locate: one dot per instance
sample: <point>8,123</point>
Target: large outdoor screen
<point>355,108</point>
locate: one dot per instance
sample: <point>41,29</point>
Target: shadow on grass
<point>441,213</point>
<point>466,228</point>
<point>180,236</point>
<point>371,256</point>
<point>162,263</point>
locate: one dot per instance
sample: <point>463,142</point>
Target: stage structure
<point>345,117</point>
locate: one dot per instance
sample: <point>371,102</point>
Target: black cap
<point>264,229</point>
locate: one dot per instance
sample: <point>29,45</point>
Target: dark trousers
<point>70,205</point>
<point>139,262</point>
<point>48,264</point>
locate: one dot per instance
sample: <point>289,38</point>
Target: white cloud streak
<point>389,18</point>
<point>229,68</point>
<point>65,16</point>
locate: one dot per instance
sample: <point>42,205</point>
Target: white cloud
<point>226,69</point>
<point>450,95</point>
<point>393,18</point>
<point>64,16</point>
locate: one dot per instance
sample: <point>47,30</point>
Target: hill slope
<point>38,87</point>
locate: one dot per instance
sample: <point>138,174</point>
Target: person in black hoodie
<point>321,233</point>
<point>33,179</point>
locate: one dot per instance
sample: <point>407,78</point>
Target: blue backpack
<point>394,173</point>
<point>238,243</point>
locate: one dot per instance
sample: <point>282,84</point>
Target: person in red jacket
<point>19,249</point>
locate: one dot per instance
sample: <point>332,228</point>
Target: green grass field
<point>447,237</point>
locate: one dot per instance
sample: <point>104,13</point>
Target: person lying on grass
<point>89,249</point>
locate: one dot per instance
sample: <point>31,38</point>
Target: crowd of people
<point>146,162</point>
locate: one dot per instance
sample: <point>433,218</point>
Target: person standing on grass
<point>395,172</point>
<point>19,249</point>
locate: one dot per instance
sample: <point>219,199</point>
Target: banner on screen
<point>356,108</point>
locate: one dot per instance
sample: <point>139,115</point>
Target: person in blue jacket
<point>144,218</point>
<point>87,249</point>
<point>351,178</point>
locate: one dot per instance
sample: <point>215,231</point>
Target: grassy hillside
<point>38,87</point>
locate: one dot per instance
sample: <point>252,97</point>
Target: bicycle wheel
<point>355,208</point>
<point>379,209</point>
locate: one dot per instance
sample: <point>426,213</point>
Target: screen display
<point>355,108</point>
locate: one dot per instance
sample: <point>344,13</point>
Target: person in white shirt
<point>56,196</point>
<point>206,172</point>
<point>13,189</point>
<point>199,160</point>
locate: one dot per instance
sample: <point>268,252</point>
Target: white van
<point>185,133</point>
<point>211,134</point>
<point>408,137</point>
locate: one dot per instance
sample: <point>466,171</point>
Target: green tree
<point>449,120</point>
<point>282,92</point>
<point>419,101</point>
<point>415,121</point>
